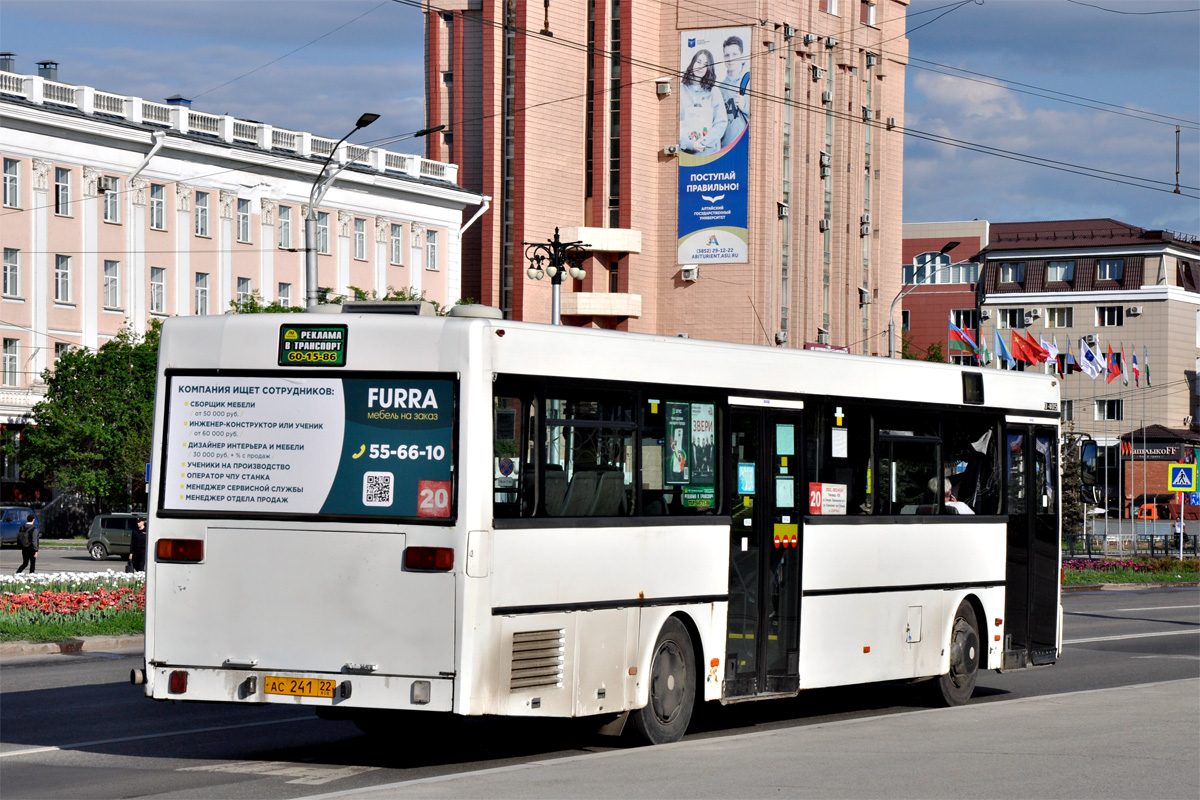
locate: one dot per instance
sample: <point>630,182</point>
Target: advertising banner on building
<point>714,145</point>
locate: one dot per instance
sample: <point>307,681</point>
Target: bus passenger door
<point>762,654</point>
<point>1032,571</point>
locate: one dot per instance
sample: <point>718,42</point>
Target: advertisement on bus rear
<point>329,446</point>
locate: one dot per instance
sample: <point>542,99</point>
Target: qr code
<point>377,488</point>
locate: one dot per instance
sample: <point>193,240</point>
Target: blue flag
<point>1002,351</point>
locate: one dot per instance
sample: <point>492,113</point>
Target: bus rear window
<point>344,446</point>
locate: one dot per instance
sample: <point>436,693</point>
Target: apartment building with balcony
<point>118,210</point>
<point>568,115</point>
<point>1110,284</point>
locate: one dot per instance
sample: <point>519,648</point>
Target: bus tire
<point>665,717</point>
<point>956,686</point>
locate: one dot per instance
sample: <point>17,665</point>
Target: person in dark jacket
<point>28,539</point>
<point>137,545</point>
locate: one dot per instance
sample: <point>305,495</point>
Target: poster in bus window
<point>678,459</point>
<point>348,447</point>
<point>703,442</point>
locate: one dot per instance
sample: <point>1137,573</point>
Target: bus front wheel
<point>956,686</point>
<point>672,687</point>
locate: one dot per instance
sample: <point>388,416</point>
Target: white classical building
<point>119,210</point>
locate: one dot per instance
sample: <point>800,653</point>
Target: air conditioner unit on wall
<point>1133,311</point>
<point>864,230</point>
<point>689,273</point>
<point>824,224</point>
<point>985,313</point>
<point>825,172</point>
<point>826,96</point>
<point>1035,313</point>
<point>1090,339</point>
<point>788,32</point>
<point>809,38</point>
<point>783,210</point>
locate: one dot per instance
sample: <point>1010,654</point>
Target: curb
<point>86,644</point>
<point>1126,587</point>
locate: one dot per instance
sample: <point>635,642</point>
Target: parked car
<point>11,520</point>
<point>110,535</point>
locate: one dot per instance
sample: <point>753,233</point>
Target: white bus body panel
<point>866,634</point>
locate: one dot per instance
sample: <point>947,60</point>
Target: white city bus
<point>371,512</point>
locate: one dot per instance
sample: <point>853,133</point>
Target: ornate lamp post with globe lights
<point>557,259</point>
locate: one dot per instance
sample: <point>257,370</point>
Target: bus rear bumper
<point>317,689</point>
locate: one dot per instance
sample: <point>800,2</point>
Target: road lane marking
<point>75,745</point>
<point>1114,610</point>
<point>1130,636</point>
<point>307,774</point>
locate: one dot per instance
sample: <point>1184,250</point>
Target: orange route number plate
<point>299,687</point>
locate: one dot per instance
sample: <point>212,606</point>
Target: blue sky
<point>367,55</point>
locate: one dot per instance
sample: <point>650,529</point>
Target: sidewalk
<point>84,644</point>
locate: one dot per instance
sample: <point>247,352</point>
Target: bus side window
<point>972,466</point>
<point>508,468</point>
<point>838,443</point>
<point>680,465</point>
<point>908,460</point>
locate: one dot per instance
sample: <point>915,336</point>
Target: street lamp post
<point>557,259</point>
<point>946,248</point>
<point>320,186</point>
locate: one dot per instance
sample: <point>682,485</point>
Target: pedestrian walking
<point>28,539</point>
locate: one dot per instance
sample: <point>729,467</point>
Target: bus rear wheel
<point>956,686</point>
<point>672,687</point>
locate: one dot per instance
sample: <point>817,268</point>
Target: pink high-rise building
<point>735,168</point>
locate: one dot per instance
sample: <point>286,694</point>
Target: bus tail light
<point>185,550</point>
<point>434,559</point>
<point>177,682</point>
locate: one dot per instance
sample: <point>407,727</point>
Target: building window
<point>61,349</point>
<point>244,293</point>
<point>243,220</point>
<point>1060,271</point>
<point>1109,409</point>
<point>285,227</point>
<point>285,295</point>
<point>1011,318</point>
<point>829,6</point>
<point>905,319</point>
<point>360,238</point>
<point>158,207</point>
<point>62,191</point>
<point>1012,273</point>
<point>202,213</point>
<point>614,276</point>
<point>322,233</point>
<point>1059,317</point>
<point>867,14</point>
<point>1110,269</point>
<point>112,284</point>
<point>1068,410</point>
<point>431,250</point>
<point>9,367</point>
<point>158,290</point>
<point>109,186</point>
<point>965,318</point>
<point>397,245</point>
<point>62,279</point>
<point>1109,316</point>
<point>12,183</point>
<point>201,293</point>
<point>12,272</point>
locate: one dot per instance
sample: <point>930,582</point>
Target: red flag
<point>1038,352</point>
<point>1020,349</point>
<point>1113,372</point>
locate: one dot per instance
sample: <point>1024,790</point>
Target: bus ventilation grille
<point>537,659</point>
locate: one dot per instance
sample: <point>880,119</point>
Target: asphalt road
<point>1117,717</point>
<point>54,558</point>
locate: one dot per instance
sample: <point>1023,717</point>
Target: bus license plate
<point>299,687</point>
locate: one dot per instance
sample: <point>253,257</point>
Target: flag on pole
<point>1036,350</point>
<point>1072,364</point>
<point>1124,366</point>
<point>1051,348</point>
<point>1002,351</point>
<point>1137,373</point>
<point>1020,349</point>
<point>1146,364</point>
<point>1090,361</point>
<point>1113,369</point>
<point>959,340</point>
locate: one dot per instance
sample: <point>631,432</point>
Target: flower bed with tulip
<point>1087,571</point>
<point>63,605</point>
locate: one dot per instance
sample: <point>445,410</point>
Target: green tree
<point>92,432</point>
<point>934,353</point>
